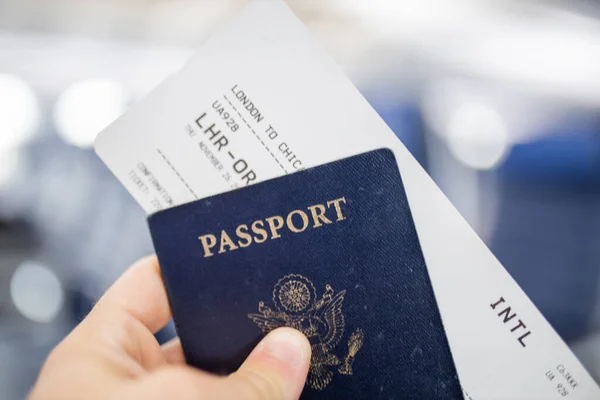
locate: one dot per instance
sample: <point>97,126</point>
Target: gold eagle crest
<point>321,321</point>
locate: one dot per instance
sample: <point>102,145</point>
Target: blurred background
<point>498,100</point>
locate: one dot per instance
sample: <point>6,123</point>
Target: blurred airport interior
<point>498,100</point>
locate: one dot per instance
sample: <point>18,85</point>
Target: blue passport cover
<point>331,251</point>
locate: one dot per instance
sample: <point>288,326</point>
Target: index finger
<point>140,293</point>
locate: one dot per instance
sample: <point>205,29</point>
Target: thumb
<point>275,370</point>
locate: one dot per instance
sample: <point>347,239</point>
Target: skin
<point>113,354</point>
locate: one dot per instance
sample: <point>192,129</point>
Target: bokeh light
<point>36,292</point>
<point>86,108</point>
<point>19,112</point>
<point>478,136</point>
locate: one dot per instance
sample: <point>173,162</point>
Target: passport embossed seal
<point>321,321</point>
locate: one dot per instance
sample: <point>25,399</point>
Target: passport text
<point>259,231</point>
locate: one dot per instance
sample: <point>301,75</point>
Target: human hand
<point>113,354</point>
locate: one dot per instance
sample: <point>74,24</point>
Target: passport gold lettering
<point>208,241</point>
<point>275,223</point>
<point>242,233</point>
<point>296,221</point>
<point>338,208</point>
<point>258,231</point>
<point>290,221</point>
<point>226,242</point>
<point>318,213</point>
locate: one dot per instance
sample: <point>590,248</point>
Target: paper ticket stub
<point>261,99</point>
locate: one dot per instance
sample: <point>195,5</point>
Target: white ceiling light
<point>546,58</point>
<point>19,112</point>
<point>477,136</point>
<point>36,292</point>
<point>411,17</point>
<point>86,108</point>
<point>525,118</point>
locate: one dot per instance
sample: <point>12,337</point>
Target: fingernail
<point>284,345</point>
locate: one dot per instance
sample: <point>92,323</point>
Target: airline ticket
<point>261,99</point>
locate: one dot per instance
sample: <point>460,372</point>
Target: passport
<point>331,251</point>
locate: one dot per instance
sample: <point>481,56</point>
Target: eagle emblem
<point>321,321</point>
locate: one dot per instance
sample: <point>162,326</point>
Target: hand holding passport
<point>331,251</point>
<point>112,354</point>
<point>339,223</point>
